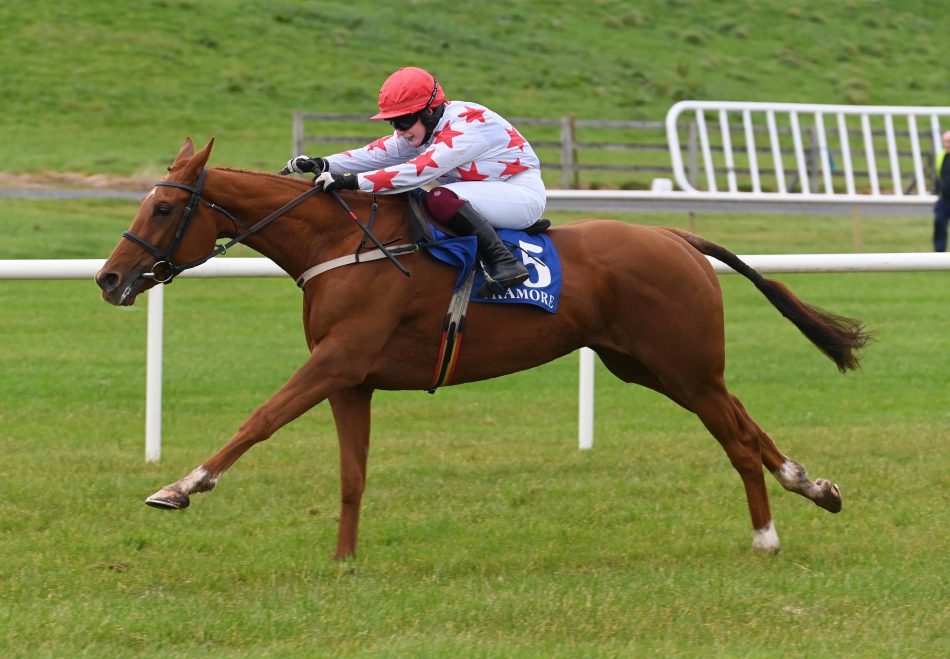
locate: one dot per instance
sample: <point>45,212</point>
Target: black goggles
<point>405,121</point>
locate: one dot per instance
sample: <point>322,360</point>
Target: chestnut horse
<point>644,298</point>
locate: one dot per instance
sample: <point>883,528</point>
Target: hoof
<point>830,498</point>
<point>765,540</point>
<point>168,500</point>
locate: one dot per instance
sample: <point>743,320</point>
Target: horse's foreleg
<point>351,412</point>
<point>308,386</point>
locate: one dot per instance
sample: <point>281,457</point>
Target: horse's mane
<point>251,172</point>
<point>303,184</point>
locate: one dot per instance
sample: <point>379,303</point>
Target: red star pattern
<point>471,174</point>
<point>512,168</point>
<point>423,161</point>
<point>347,154</point>
<point>382,180</point>
<point>445,135</point>
<point>378,144</point>
<point>471,114</point>
<point>516,139</point>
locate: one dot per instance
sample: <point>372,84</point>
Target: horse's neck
<point>315,231</point>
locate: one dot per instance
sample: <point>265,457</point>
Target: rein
<point>164,270</point>
<point>369,234</point>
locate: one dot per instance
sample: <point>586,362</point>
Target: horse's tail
<point>839,337</point>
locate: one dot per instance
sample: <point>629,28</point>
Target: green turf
<point>486,532</point>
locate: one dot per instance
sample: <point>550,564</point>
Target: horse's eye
<point>163,209</point>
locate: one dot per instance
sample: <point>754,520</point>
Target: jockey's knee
<point>443,204</point>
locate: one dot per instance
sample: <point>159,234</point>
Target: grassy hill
<point>95,88</point>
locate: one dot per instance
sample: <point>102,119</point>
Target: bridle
<point>164,270</point>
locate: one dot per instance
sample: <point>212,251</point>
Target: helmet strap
<point>430,119</point>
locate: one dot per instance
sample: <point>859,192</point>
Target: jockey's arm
<point>384,152</point>
<point>431,164</point>
<point>379,153</point>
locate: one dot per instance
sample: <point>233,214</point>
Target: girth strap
<point>373,255</point>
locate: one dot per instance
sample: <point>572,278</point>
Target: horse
<point>645,299</point>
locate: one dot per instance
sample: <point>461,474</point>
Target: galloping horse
<point>644,298</point>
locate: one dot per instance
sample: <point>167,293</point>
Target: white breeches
<point>513,204</point>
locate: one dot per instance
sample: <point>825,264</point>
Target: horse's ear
<point>187,150</point>
<point>196,162</point>
<point>203,155</point>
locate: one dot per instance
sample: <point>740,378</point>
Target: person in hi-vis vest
<point>942,190</point>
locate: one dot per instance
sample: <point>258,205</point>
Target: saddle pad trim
<point>453,327</point>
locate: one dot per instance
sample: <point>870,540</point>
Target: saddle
<point>420,221</point>
<point>443,245</point>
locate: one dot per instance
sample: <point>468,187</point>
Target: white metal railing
<point>262,267</point>
<point>87,268</point>
<point>860,152</point>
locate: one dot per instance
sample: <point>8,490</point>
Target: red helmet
<point>408,90</point>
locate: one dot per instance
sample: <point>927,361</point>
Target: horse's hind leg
<point>351,411</point>
<point>749,449</point>
<point>791,474</point>
<point>724,416</point>
<point>824,493</point>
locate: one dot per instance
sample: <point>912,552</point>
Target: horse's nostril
<point>107,281</point>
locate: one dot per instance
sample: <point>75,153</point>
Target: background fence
<point>711,146</point>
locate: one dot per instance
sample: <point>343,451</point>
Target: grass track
<point>485,532</point>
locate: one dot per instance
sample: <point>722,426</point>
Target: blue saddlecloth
<point>538,253</point>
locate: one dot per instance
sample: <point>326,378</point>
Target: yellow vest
<point>938,183</point>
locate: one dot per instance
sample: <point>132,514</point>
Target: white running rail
<point>863,153</point>
<point>261,267</point>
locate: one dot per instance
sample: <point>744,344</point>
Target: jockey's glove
<point>337,181</point>
<point>305,165</point>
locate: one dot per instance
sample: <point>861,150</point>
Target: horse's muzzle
<point>114,291</point>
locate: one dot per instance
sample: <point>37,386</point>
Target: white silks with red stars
<point>470,143</point>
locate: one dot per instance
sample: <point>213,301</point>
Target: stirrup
<point>494,287</point>
<point>490,288</point>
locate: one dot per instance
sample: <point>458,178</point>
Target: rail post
<point>569,173</point>
<point>153,374</point>
<point>297,146</point>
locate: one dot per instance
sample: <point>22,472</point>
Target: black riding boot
<point>502,266</point>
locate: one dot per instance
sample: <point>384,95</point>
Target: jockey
<point>487,174</point>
